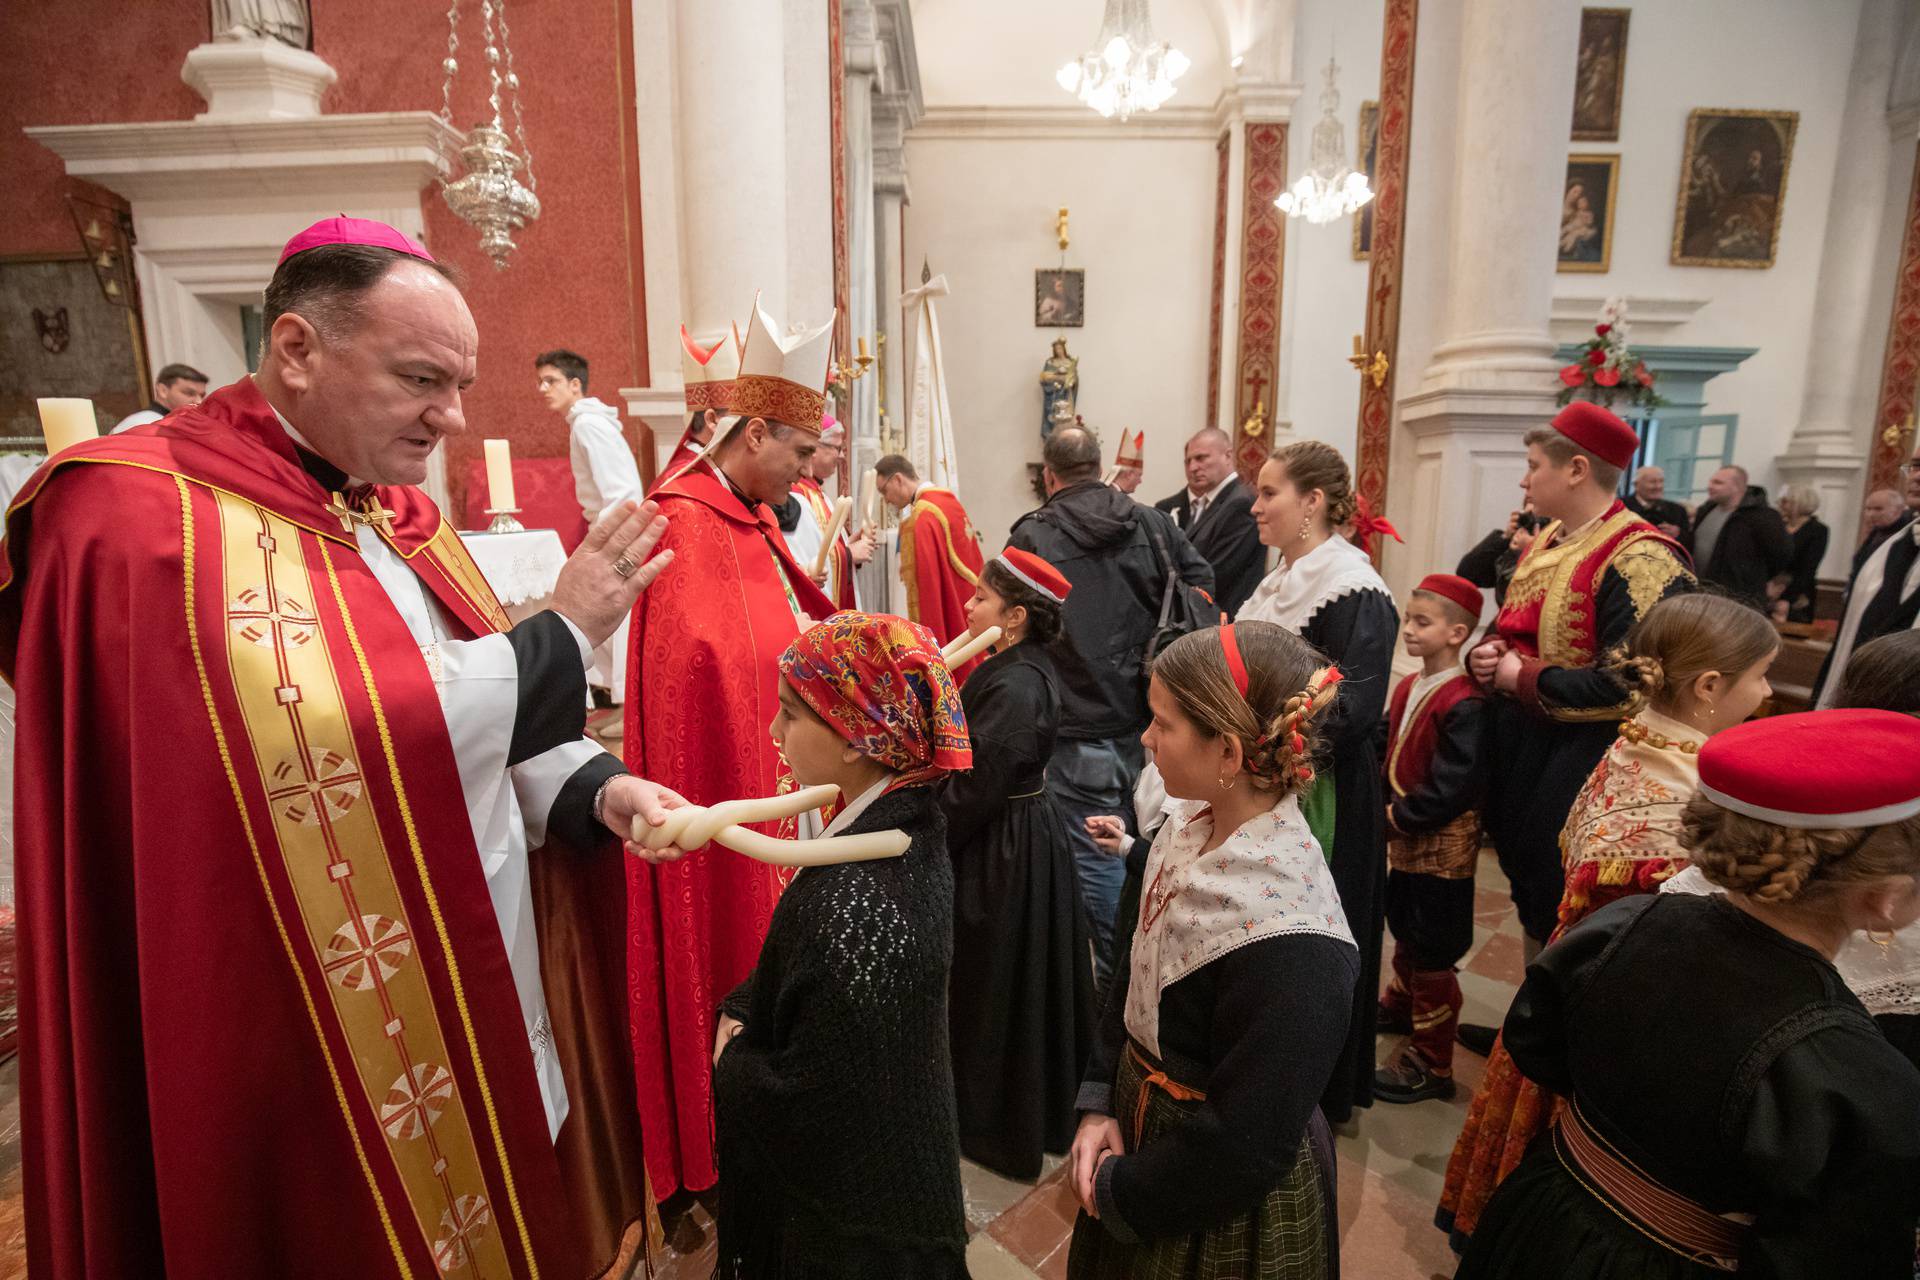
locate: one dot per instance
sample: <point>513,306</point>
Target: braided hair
<point>1683,638</point>
<point>1776,864</point>
<point>1288,685</point>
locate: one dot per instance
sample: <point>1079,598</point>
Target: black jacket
<point>1658,512</point>
<point>1097,538</point>
<point>1875,536</point>
<point>1754,545</point>
<point>1227,537</point>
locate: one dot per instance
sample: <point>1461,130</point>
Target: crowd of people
<point>321,834</point>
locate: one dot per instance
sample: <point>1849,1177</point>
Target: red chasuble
<point>940,563</point>
<point>683,455</point>
<point>268,1017</point>
<point>840,561</point>
<point>702,691</point>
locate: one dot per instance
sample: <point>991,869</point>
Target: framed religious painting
<point>1586,213</point>
<point>1059,298</point>
<point>1733,187</point>
<point>1368,146</point>
<point>1600,75</point>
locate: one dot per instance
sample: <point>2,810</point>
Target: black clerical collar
<point>325,474</point>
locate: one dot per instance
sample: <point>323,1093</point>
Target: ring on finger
<point>625,566</point>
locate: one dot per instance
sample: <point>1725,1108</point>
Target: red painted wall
<point>575,281</point>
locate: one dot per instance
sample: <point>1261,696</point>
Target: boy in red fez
<point>1435,769</point>
<point>1592,572</point>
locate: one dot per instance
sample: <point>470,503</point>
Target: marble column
<point>712,142</point>
<point>860,34</point>
<point>1832,439</point>
<point>1491,375</point>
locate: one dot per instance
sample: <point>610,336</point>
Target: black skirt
<point>1020,1002</point>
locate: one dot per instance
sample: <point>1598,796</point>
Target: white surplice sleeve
<point>605,472</point>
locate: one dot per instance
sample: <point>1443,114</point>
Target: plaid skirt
<point>1292,1234</point>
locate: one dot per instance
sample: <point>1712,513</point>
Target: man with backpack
<point>1138,584</point>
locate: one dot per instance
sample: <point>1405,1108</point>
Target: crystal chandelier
<point>1329,189</point>
<point>1127,70</point>
<point>491,195</point>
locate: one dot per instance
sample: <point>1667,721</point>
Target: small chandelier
<point>490,195</point>
<point>1127,70</point>
<point>1330,189</point>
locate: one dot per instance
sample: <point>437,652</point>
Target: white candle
<point>962,648</point>
<point>499,476</point>
<point>840,508</point>
<point>692,826</point>
<point>67,422</point>
<point>869,494</point>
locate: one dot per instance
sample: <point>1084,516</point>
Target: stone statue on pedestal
<point>1059,388</point>
<point>284,21</point>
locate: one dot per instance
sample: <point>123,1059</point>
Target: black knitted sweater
<point>838,1147</point>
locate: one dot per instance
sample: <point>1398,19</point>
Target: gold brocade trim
<point>1648,567</point>
<point>760,395</point>
<point>953,557</point>
<point>433,909</point>
<point>715,395</point>
<point>344,885</point>
<point>266,888</point>
<point>450,555</point>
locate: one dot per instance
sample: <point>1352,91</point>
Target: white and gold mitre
<point>709,373</point>
<point>783,379</point>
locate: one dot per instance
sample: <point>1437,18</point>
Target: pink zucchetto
<point>345,230</point>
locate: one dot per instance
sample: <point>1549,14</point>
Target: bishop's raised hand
<point>607,572</point>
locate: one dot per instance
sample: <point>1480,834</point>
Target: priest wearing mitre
<point>281,764</point>
<point>702,691</point>
<point>706,372</point>
<point>940,558</point>
<point>852,547</point>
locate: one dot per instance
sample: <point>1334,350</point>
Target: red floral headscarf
<point>881,683</point>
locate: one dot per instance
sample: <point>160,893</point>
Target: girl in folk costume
<point>1203,1154</point>
<point>833,1089</point>
<point>1325,590</point>
<point>1729,1104</point>
<point>1020,1002</point>
<point>1700,663</point>
<point>1884,973</point>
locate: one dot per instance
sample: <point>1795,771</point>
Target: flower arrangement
<point>1607,368</point>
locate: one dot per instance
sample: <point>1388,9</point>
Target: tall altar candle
<point>869,490</point>
<point>499,476</point>
<point>67,422</point>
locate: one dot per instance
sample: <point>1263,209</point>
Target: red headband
<point>1230,649</point>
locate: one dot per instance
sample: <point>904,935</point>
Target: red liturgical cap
<point>1035,573</point>
<point>1599,432</point>
<point>1452,587</point>
<point>345,230</point>
<point>1818,769</point>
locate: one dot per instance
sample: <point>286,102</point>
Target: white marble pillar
<point>1833,438</point>
<point>1491,376</point>
<point>712,139</point>
<point>732,118</point>
<point>860,40</point>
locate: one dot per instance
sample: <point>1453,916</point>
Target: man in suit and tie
<point>1884,596</point>
<point>1215,511</point>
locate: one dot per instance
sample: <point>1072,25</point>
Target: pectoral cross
<point>348,516</point>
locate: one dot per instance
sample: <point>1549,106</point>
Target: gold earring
<point>1306,527</point>
<point>1226,784</point>
<point>1881,938</point>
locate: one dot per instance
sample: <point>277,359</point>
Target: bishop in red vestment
<point>702,693</point>
<point>294,992</point>
<point>939,552</point>
<point>706,373</point>
<point>852,547</point>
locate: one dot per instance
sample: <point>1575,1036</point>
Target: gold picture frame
<point>1586,213</point>
<point>1733,187</point>
<point>1600,77</point>
<point>1366,152</point>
